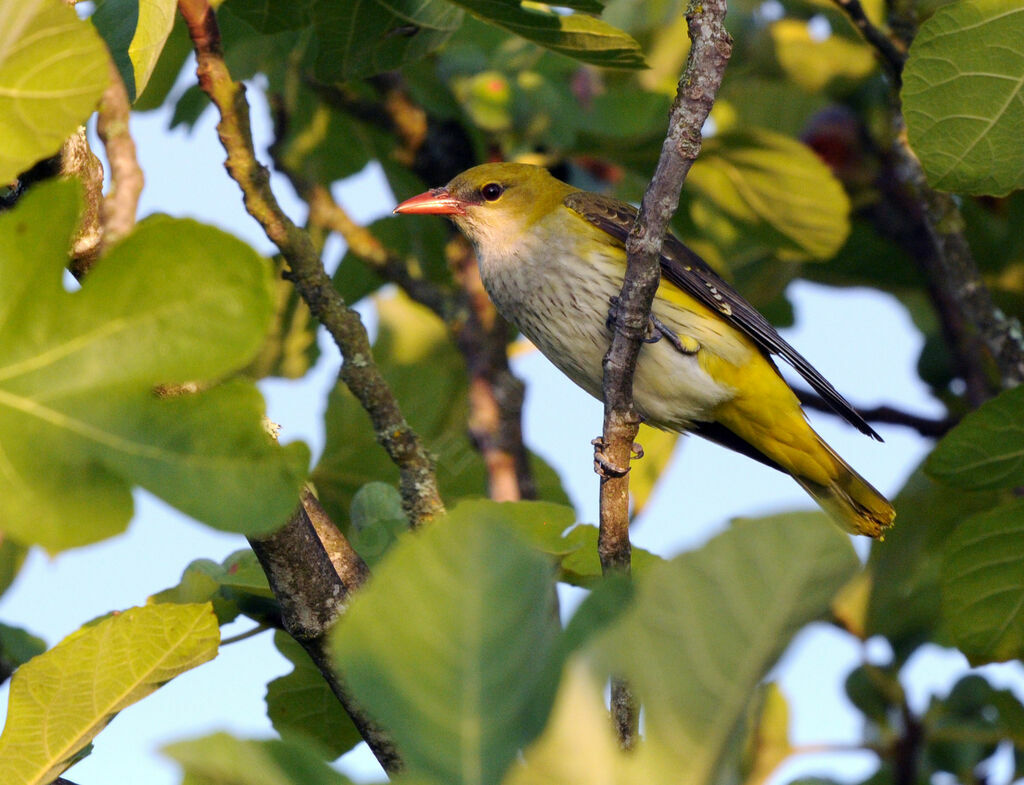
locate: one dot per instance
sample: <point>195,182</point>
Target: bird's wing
<point>682,267</point>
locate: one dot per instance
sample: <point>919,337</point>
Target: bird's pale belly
<point>563,312</point>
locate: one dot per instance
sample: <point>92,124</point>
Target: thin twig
<point>934,428</point>
<point>420,496</point>
<point>126,179</point>
<point>77,159</point>
<point>244,636</point>
<point>709,52</point>
<point>892,57</point>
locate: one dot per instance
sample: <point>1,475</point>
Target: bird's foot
<point>613,313</point>
<point>656,330</point>
<point>603,465</point>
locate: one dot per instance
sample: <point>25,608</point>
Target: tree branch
<point>420,496</point>
<point>121,203</point>
<point>710,48</point>
<point>313,571</point>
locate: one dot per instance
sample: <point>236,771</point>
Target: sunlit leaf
<point>962,89</point>
<point>813,63</point>
<point>576,35</point>
<point>175,302</point>
<point>135,32</point>
<point>61,699</point>
<point>53,69</point>
<point>775,186</point>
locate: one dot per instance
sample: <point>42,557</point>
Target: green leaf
<point>760,181</point>
<point>289,348</point>
<point>813,63</point>
<point>378,520</point>
<point>905,569</point>
<point>17,646</point>
<point>237,585</point>
<point>986,450</point>
<point>221,759</point>
<point>12,556</point>
<point>166,69</point>
<point>582,566</point>
<point>53,69</point>
<point>372,36</point>
<point>578,36</point>
<point>61,699</point>
<point>135,32</point>
<point>983,585</point>
<point>273,16</point>
<point>707,626</point>
<point>301,705</point>
<point>962,94</point>
<point>174,303</point>
<point>479,609</point>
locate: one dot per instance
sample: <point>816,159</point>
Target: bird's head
<point>493,204</point>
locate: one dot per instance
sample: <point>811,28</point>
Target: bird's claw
<point>638,451</point>
<point>603,465</point>
<point>656,330</point>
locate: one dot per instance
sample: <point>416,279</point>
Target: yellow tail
<point>850,500</point>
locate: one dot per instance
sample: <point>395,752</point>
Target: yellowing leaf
<point>53,69</point>
<point>813,63</point>
<point>61,699</point>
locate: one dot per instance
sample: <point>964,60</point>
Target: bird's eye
<point>492,191</point>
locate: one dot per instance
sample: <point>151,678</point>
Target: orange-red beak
<point>436,201</point>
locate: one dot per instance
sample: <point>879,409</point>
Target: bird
<point>552,259</point>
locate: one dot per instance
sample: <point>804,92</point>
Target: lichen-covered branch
<point>710,48</point>
<point>709,53</point>
<point>418,483</point>
<point>313,571</point>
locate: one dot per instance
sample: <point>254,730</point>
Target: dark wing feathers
<point>689,272</point>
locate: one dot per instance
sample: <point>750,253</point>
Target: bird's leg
<point>604,467</point>
<point>656,330</point>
